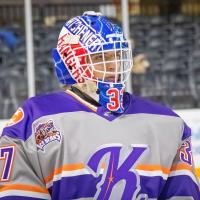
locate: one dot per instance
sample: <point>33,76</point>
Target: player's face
<point>106,62</point>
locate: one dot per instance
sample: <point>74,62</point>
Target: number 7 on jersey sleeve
<point>7,154</point>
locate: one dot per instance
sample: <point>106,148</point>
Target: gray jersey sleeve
<point>19,177</point>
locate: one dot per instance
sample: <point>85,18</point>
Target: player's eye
<point>97,58</point>
<point>113,56</point>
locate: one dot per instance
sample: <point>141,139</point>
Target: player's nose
<point>111,66</point>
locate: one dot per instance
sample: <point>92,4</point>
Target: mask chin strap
<point>111,96</point>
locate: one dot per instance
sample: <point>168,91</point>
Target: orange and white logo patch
<point>16,118</point>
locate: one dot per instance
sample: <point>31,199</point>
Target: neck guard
<point>111,96</point>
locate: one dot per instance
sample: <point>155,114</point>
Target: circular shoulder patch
<point>16,118</point>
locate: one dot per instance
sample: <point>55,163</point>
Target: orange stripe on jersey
<point>197,170</point>
<point>94,108</point>
<point>69,167</point>
<point>153,168</point>
<point>31,188</point>
<point>181,166</point>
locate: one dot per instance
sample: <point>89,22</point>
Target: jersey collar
<point>93,105</point>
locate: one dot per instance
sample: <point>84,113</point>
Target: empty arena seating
<point>172,47</point>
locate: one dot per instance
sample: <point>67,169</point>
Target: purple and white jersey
<point>60,147</point>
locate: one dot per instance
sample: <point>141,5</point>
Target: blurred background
<point>166,49</point>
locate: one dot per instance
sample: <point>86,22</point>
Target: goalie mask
<point>90,47</point>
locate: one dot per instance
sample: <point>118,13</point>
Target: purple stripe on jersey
<point>142,105</point>
<point>151,186</point>
<point>84,186</point>
<point>186,132</point>
<point>180,186</point>
<point>54,103</point>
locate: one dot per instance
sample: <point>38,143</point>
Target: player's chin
<point>111,79</point>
